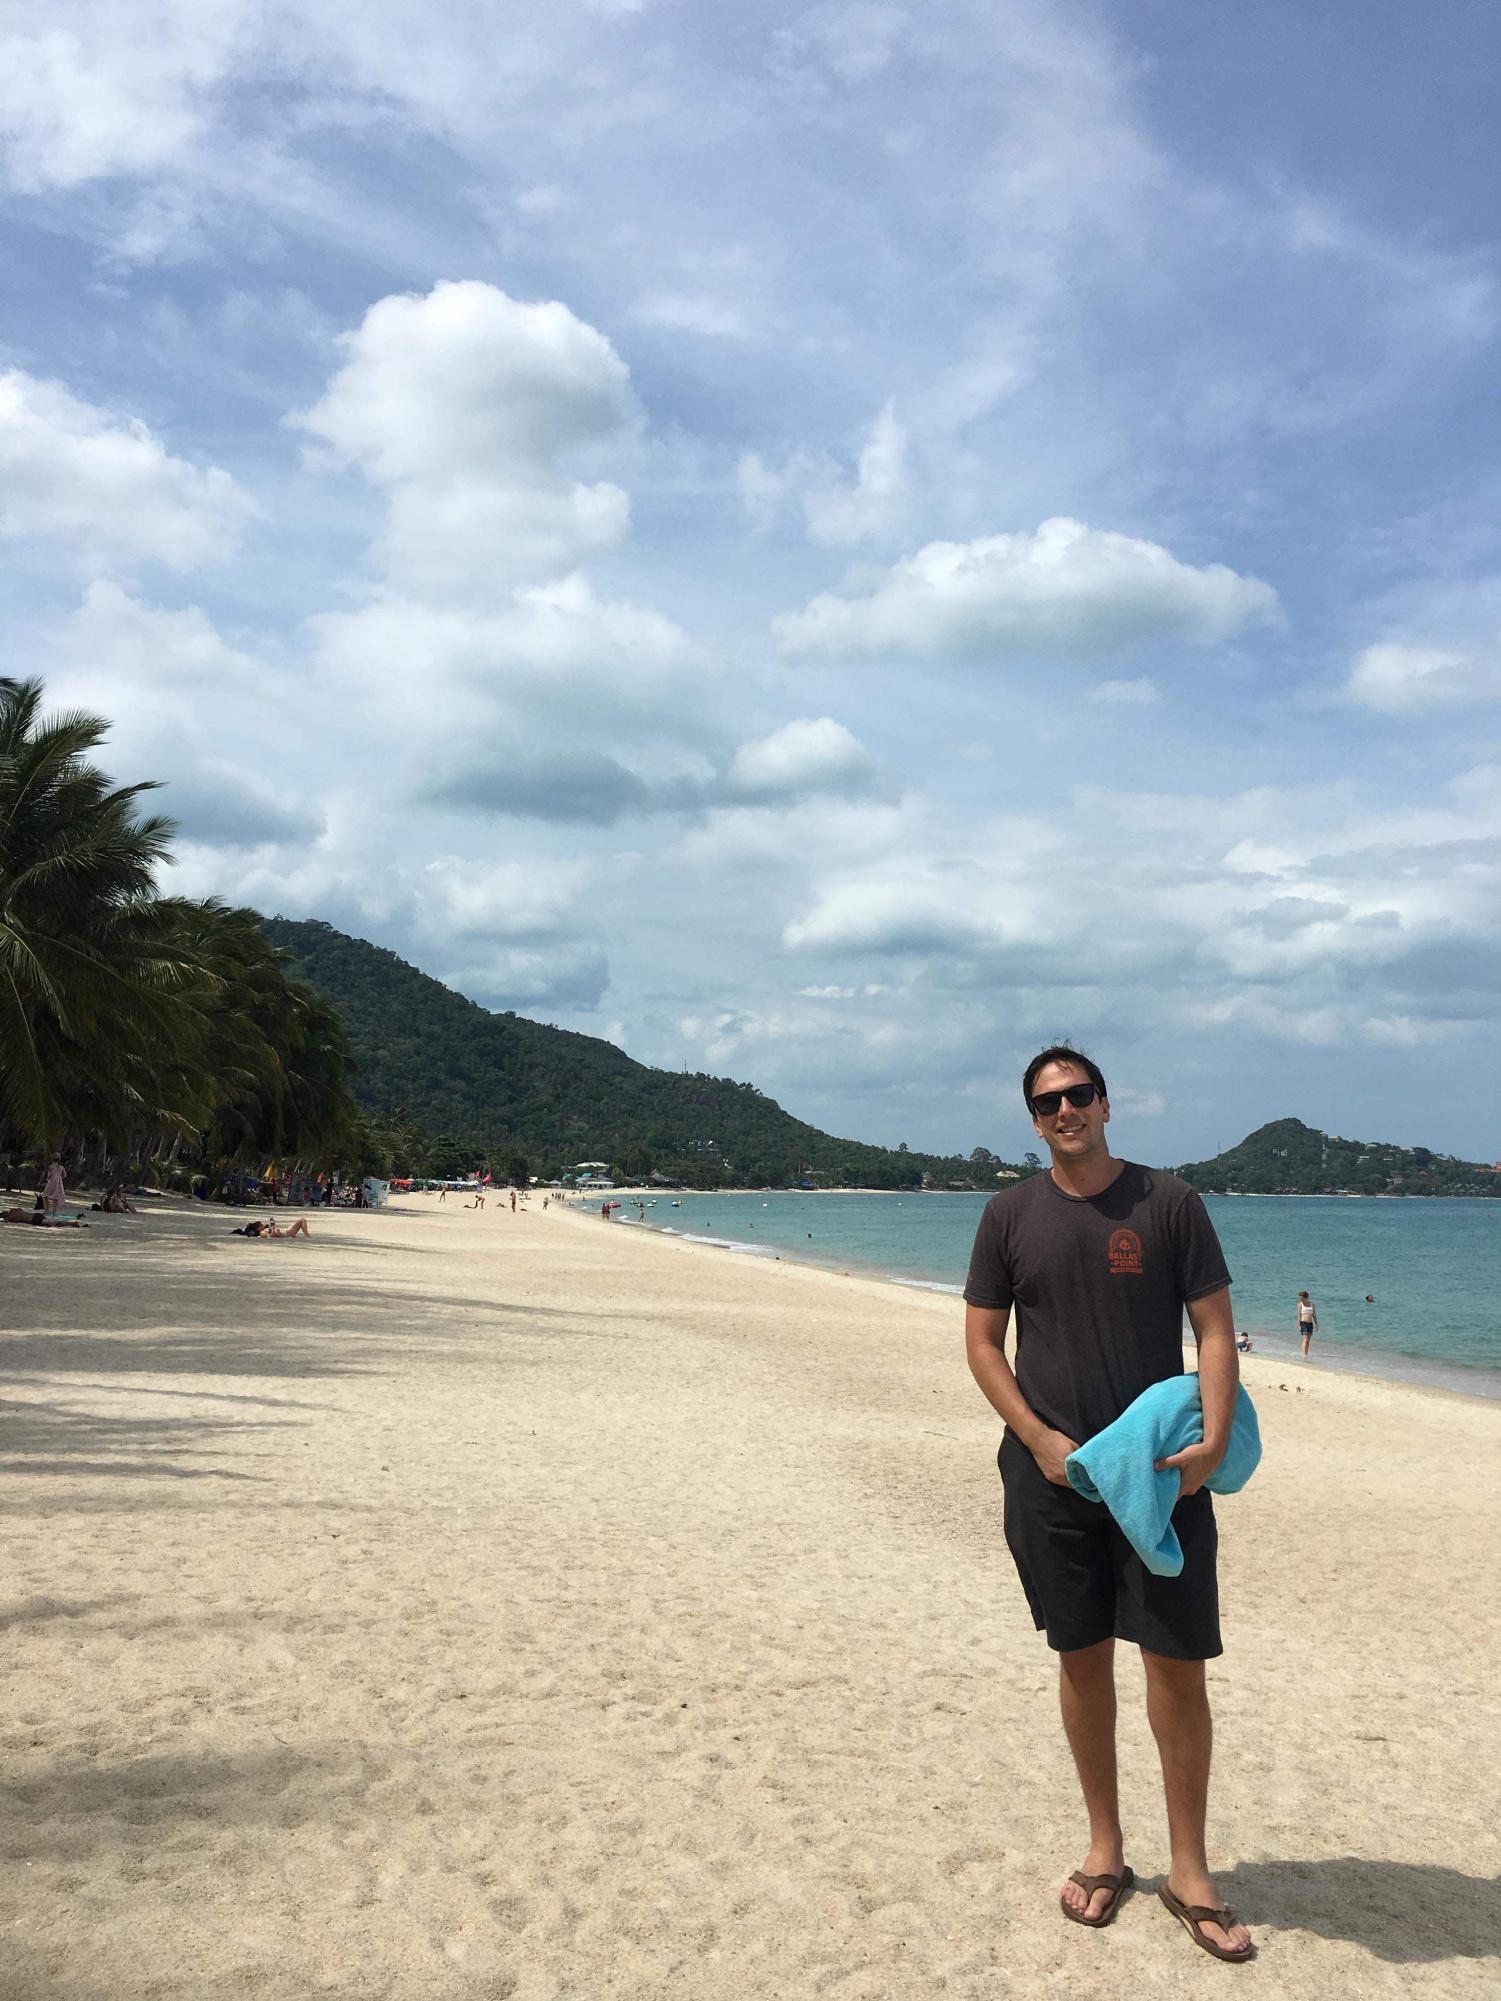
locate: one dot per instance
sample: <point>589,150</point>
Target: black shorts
<point>1084,1581</point>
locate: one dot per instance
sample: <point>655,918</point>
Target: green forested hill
<point>503,1086</point>
<point>1289,1158</point>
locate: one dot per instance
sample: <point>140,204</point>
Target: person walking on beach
<point>1308,1320</point>
<point>53,1191</point>
<point>1098,1258</point>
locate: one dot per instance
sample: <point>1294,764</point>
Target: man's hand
<point>1193,1465</point>
<point>1050,1451</point>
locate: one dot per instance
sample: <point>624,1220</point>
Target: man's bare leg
<point>1086,1694</point>
<point>1178,1711</point>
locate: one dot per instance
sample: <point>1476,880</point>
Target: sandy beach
<point>475,1604</point>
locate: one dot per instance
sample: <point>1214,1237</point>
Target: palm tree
<point>277,1053</point>
<point>90,976</point>
<point>142,1022</point>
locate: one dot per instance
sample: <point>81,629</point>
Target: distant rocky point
<point>1290,1158</point>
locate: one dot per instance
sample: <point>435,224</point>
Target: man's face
<point>1073,1132</point>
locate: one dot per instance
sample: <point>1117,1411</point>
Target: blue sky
<point>827,544</point>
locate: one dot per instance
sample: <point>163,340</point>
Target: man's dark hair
<point>1062,1053</point>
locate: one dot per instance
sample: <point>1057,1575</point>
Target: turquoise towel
<point>1118,1465</point>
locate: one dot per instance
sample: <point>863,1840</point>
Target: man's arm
<point>1219,1379</point>
<point>985,1345</point>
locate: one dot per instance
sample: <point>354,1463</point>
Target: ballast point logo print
<point>1125,1252</point>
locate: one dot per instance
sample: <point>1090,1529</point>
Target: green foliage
<point>91,979</point>
<point>136,1027</point>
<point>274,1049</point>
<point>1290,1158</point>
<point>510,1086</point>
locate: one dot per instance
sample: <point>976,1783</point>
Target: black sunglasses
<point>1046,1103</point>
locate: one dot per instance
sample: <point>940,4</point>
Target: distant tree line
<point>398,1146</point>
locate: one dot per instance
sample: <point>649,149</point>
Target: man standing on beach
<point>1098,1258</point>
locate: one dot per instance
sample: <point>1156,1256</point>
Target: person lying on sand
<point>269,1229</point>
<point>40,1218</point>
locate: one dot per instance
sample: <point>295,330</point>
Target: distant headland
<point>1290,1158</point>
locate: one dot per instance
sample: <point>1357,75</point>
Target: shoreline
<point>1337,1195</point>
<point>1478,1385</point>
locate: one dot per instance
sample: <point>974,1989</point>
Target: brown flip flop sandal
<point>1116,1885</point>
<point>1193,1917</point>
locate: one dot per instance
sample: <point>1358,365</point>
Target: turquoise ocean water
<point>1433,1266</point>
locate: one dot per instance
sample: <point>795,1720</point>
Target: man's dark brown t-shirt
<point>1097,1286</point>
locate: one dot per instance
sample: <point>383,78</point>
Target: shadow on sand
<point>172,1294</point>
<point>1403,1912</point>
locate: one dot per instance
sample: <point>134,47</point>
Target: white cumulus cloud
<point>1396,679</point>
<point>896,910</point>
<point>545,639</point>
<point>105,486</point>
<point>496,899</point>
<point>141,646</point>
<point>1067,589</point>
<point>78,101</point>
<point>186,707</point>
<point>472,411</point>
<point>803,756</point>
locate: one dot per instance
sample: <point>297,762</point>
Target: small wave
<point>730,1244</point>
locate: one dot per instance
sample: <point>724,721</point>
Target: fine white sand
<point>475,1604</point>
